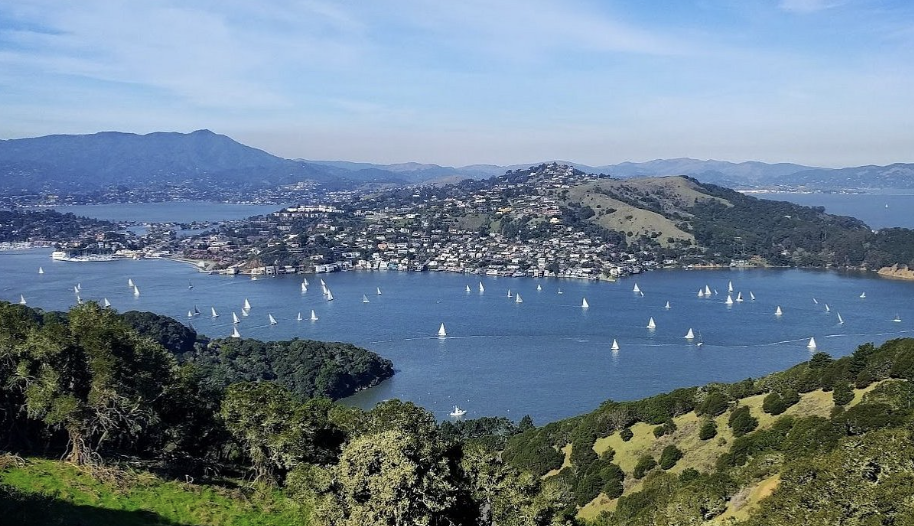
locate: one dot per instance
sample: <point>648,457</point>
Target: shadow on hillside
<point>41,510</point>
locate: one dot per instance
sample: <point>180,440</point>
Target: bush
<point>669,457</point>
<point>645,464</point>
<point>688,475</point>
<point>708,430</point>
<point>742,422</point>
<point>626,434</point>
<point>715,404</point>
<point>843,394</point>
<point>667,428</point>
<point>773,404</point>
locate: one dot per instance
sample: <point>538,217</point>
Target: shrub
<point>669,457</point>
<point>645,464</point>
<point>715,404</point>
<point>626,434</point>
<point>773,404</point>
<point>688,475</point>
<point>741,421</point>
<point>708,430</point>
<point>667,428</point>
<point>843,394</point>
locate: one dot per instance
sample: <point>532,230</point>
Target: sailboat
<point>457,412</point>
<point>481,288</point>
<point>539,287</point>
<point>244,313</point>
<point>441,331</point>
<point>235,333</point>
<point>329,295</point>
<point>635,288</point>
<point>323,285</point>
<point>811,344</point>
<point>107,303</point>
<point>247,304</point>
<point>739,297</point>
<point>364,298</point>
<point>379,291</point>
<point>689,335</point>
<point>826,308</point>
<point>129,282</point>
<point>615,345</point>
<point>814,300</point>
<point>40,270</point>
<point>560,291</point>
<point>701,293</point>
<point>700,342</point>
<point>299,317</point>
<point>272,319</point>
<point>509,293</point>
<point>863,295</point>
<point>136,290</point>
<point>517,299</point>
<point>235,318</point>
<point>729,286</point>
<point>22,300</point>
<point>196,311</point>
<point>468,288</point>
<point>304,288</point>
<point>75,289</point>
<point>840,319</point>
<point>313,316</point>
<point>667,306</point>
<point>584,304</point>
<point>304,281</point>
<point>651,324</point>
<point>729,300</point>
<point>897,319</point>
<point>778,311</point>
<point>190,314</point>
<point>213,312</point>
<point>707,290</point>
<point>751,296</point>
<point>79,301</point>
<point>190,285</point>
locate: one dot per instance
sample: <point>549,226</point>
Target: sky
<point>818,82</point>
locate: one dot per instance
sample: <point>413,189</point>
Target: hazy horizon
<point>824,83</point>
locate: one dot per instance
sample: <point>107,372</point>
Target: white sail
<point>560,291</point>
<point>863,295</point>
<point>213,312</point>
<point>304,288</point>
<point>517,299</point>
<point>729,286</point>
<point>235,333</point>
<point>129,282</point>
<point>379,291</point>
<point>729,300</point>
<point>441,331</point>
<point>707,290</point>
<point>136,290</point>
<point>247,304</point>
<point>667,306</point>
<point>539,287</point>
<point>364,298</point>
<point>635,288</point>
<point>701,293</point>
<point>329,295</point>
<point>509,293</point>
<point>79,301</point>
<point>196,311</point>
<point>584,304</point>
<point>615,345</point>
<point>811,344</point>
<point>689,335</point>
<point>651,324</point>
<point>75,289</point>
<point>751,296</point>
<point>481,288</point>
<point>245,313</point>
<point>840,319</point>
<point>107,303</point>
<point>190,314</point>
<point>826,308</point>
<point>299,317</point>
<point>739,297</point>
<point>313,316</point>
<point>22,300</point>
<point>322,282</point>
<point>468,288</point>
<point>235,318</point>
<point>778,311</point>
<point>40,270</point>
<point>272,319</point>
<point>304,281</point>
<point>814,300</point>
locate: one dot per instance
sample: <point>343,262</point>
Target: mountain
<point>897,176</point>
<point>89,162</point>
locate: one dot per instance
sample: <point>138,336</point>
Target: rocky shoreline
<point>897,272</point>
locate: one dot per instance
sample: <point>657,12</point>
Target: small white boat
<point>214,314</point>
<point>701,293</point>
<point>299,318</point>
<point>136,290</point>
<point>642,294</point>
<point>313,316</point>
<point>79,301</point>
<point>107,303</point>
<point>235,333</point>
<point>729,300</point>
<point>129,282</point>
<point>379,291</point>
<point>40,270</point>
<point>458,412</point>
<point>667,306</point>
<point>739,297</point>
<point>863,295</point>
<point>814,300</point>
<point>560,291</point>
<point>329,295</point>
<point>304,288</point>
<point>244,313</point>
<point>468,288</point>
<point>247,304</point>
<point>196,311</point>
<point>778,311</point>
<point>509,293</point>
<point>272,319</point>
<point>22,300</point>
<point>651,324</point>
<point>700,342</point>
<point>304,281</point>
<point>729,286</point>
<point>190,285</point>
<point>481,288</point>
<point>707,290</point>
<point>364,298</point>
<point>615,345</point>
<point>75,289</point>
<point>584,304</point>
<point>689,335</point>
<point>79,287</point>
<point>896,319</point>
<point>751,296</point>
<point>539,287</point>
<point>441,331</point>
<point>322,282</point>
<point>517,299</point>
<point>826,308</point>
<point>635,288</point>
<point>253,277</point>
<point>235,318</point>
<point>190,314</point>
<point>811,344</point>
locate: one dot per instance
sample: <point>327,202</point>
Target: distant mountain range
<point>77,163</point>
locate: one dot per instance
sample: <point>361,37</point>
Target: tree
<point>626,434</point>
<point>645,464</point>
<point>708,430</point>
<point>669,457</point>
<point>741,421</point>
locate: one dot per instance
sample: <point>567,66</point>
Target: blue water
<point>546,357</point>
<point>875,209</point>
<point>168,212</point>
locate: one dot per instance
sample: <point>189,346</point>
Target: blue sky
<point>820,82</point>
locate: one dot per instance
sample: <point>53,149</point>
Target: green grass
<point>38,491</point>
